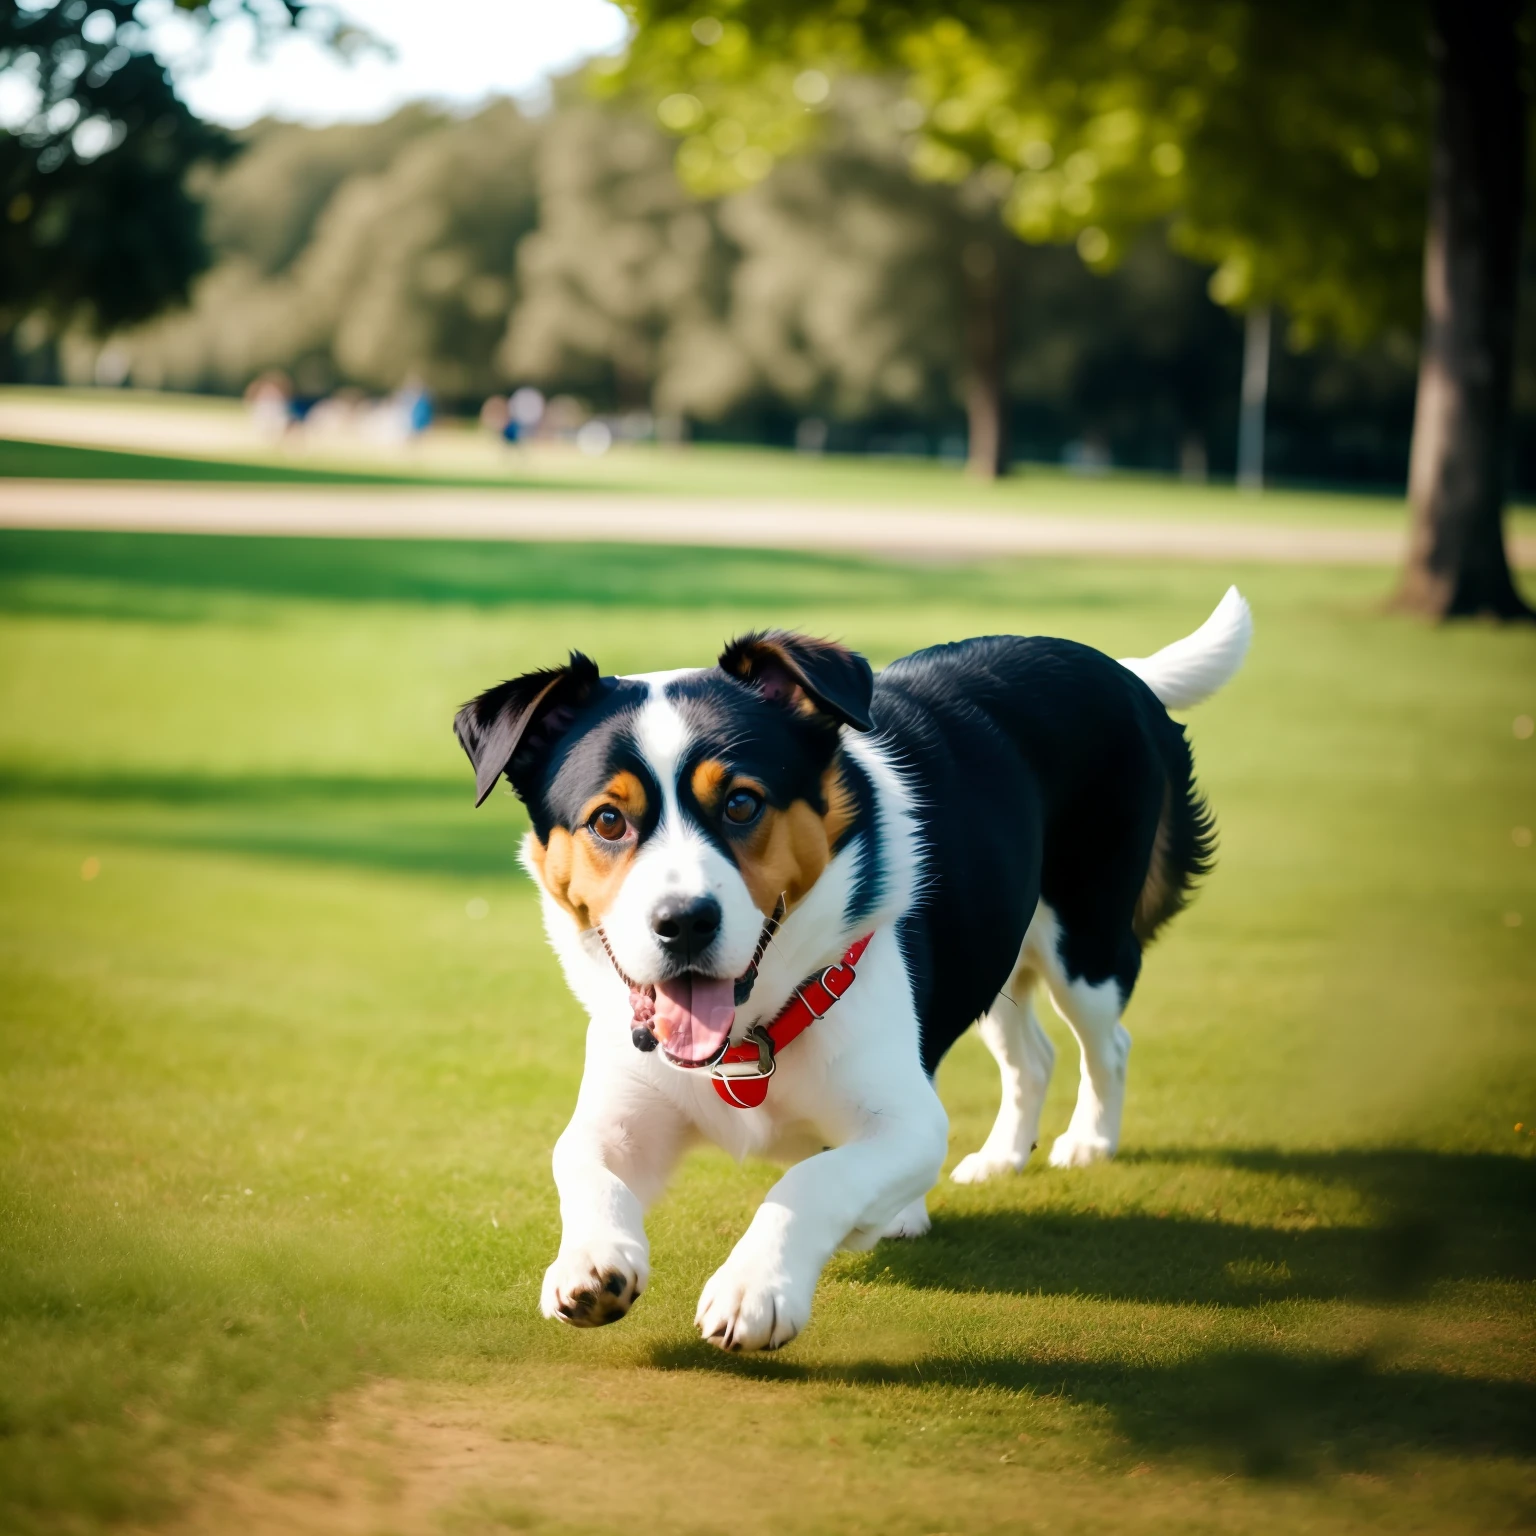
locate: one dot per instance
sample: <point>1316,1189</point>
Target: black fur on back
<point>1044,770</point>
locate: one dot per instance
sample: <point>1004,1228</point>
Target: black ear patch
<point>519,718</point>
<point>798,670</point>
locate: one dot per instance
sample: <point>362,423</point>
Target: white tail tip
<point>1192,669</point>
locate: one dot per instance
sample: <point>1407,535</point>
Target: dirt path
<point>418,1459</point>
<point>369,512</point>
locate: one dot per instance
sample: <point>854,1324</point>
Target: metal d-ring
<point>763,1067</point>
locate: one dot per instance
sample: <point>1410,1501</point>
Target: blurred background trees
<point>1291,145</point>
<point>832,298</point>
<point>625,282</point>
<point>100,218</point>
<point>360,254</point>
<point>100,227</point>
<point>1034,231</point>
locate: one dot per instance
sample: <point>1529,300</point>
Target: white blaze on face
<point>676,860</point>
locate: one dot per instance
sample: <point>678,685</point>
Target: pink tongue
<point>694,1015</point>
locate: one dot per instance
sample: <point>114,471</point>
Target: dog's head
<point>672,812</point>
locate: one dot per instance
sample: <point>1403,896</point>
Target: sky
<point>453,51</point>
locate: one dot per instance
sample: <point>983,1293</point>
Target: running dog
<point>782,888</point>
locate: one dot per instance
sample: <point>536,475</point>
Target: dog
<point>782,887</point>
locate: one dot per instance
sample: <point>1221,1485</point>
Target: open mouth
<point>690,1016</point>
<point>693,1017</point>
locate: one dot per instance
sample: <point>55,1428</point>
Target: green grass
<point>275,1111</point>
<point>69,461</point>
<point>457,461</point>
<point>453,458</point>
<point>204,440</point>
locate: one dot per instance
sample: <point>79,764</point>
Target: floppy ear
<point>817,675</point>
<point>515,719</point>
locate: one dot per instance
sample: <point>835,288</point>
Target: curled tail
<point>1192,669</point>
<point>1182,675</point>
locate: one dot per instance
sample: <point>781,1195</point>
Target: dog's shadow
<point>1267,1411</point>
<point>1259,1411</point>
<point>1433,1216</point>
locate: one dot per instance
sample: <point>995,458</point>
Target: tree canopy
<point>362,254</point>
<point>1361,165</point>
<point>834,287</point>
<point>99,222</point>
<point>625,281</point>
<point>1285,145</point>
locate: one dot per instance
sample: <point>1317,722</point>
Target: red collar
<point>741,1075</point>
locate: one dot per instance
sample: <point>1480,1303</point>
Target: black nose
<point>686,925</point>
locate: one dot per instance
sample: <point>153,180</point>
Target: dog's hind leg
<point>1092,1011</point>
<point>1025,1057</point>
<point>913,1220</point>
<point>1093,1014</point>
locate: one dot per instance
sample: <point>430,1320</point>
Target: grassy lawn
<point>455,458</point>
<point>282,1056</point>
<point>196,440</point>
<point>74,461</point>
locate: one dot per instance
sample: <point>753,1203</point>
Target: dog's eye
<point>742,806</point>
<point>609,824</point>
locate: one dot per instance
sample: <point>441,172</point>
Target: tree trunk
<point>1456,558</point>
<point>986,405</point>
<point>1257,326</point>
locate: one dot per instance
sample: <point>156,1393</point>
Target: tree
<point>624,282</point>
<point>263,206</point>
<point>359,254</point>
<point>416,265</point>
<point>1247,127</point>
<point>1457,562</point>
<point>858,291</point>
<point>840,286</point>
<point>262,211</point>
<point>98,225</point>
<point>837,286</point>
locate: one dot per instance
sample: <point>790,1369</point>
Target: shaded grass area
<point>455,456</point>
<point>179,575</point>
<point>20,458</point>
<point>1430,1216</point>
<point>80,441</point>
<point>701,470</point>
<point>411,826</point>
<point>278,1083</point>
<point>1262,1412</point>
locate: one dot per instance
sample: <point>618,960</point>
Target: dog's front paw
<point>747,1304</point>
<point>978,1167</point>
<point>592,1284</point>
<point>1077,1149</point>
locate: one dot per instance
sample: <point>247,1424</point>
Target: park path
<point>540,516</point>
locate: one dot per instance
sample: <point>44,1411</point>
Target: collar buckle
<point>760,1069</point>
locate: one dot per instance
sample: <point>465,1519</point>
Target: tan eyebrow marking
<point>708,782</point>
<point>623,790</point>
